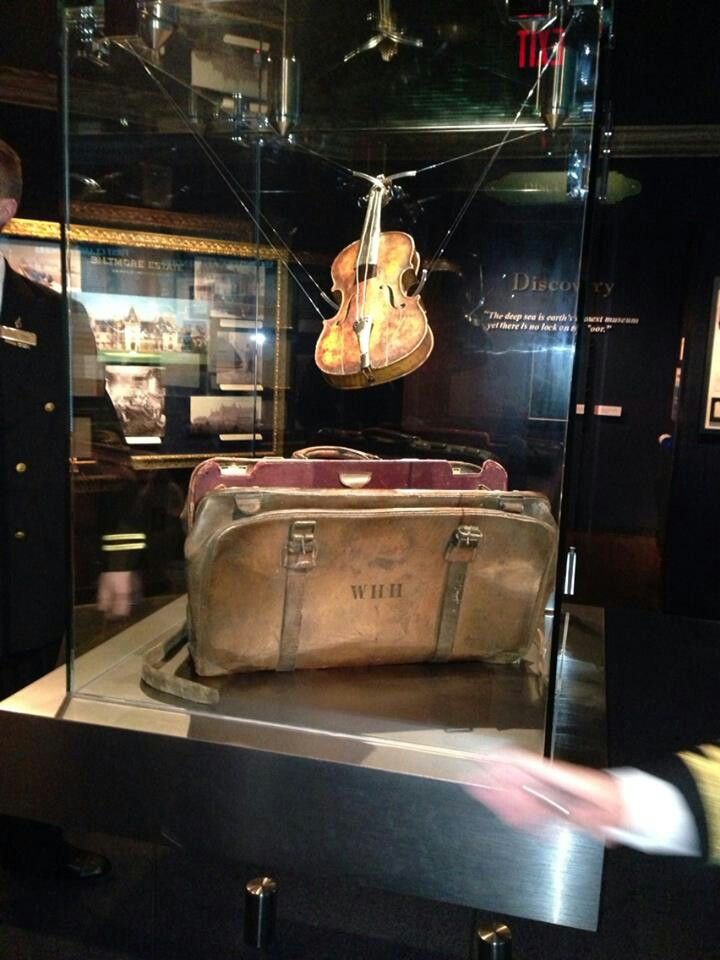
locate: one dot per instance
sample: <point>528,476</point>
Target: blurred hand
<point>118,592</point>
<point>527,791</point>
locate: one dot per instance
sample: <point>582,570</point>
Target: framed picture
<point>138,395</point>
<point>234,418</point>
<point>711,393</point>
<point>236,359</point>
<point>191,331</point>
<point>38,260</point>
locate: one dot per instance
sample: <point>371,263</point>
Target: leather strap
<point>461,551</point>
<point>300,557</point>
<point>154,675</point>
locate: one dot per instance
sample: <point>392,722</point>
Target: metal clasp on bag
<point>246,504</point>
<point>354,481</point>
<point>301,548</point>
<point>464,543</point>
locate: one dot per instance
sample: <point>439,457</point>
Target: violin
<point>381,331</point>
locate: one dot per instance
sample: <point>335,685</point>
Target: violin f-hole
<point>391,296</point>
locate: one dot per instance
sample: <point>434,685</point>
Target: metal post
<point>491,941</point>
<point>260,911</point>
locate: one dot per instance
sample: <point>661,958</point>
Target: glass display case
<point>219,160</point>
<point>349,226</point>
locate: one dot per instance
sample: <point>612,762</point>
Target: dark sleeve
<point>696,774</point>
<point>121,536</point>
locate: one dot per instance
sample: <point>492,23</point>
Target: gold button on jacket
<point>21,467</point>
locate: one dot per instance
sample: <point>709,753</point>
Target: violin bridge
<point>363,328</point>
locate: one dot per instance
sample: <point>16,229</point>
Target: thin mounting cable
<point>483,176</point>
<point>315,153</point>
<point>303,148</point>
<point>236,190</point>
<point>473,153</point>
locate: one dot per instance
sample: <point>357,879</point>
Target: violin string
<point>483,176</point>
<point>357,287</point>
<point>237,190</point>
<point>377,195</point>
<point>363,251</point>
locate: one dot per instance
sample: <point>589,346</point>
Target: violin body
<point>380,332</point>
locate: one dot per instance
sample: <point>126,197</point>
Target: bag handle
<point>332,453</point>
<point>155,676</point>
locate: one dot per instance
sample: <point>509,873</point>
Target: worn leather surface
<point>332,474</point>
<point>374,591</point>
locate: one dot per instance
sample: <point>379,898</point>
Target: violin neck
<point>369,250</point>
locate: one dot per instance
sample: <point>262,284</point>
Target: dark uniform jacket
<point>34,437</point>
<point>35,421</point>
<point>696,774</point>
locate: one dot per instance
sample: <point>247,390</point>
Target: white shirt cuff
<point>658,817</point>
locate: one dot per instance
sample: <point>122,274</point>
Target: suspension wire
<point>237,190</point>
<point>483,176</point>
<point>315,153</point>
<point>295,145</point>
<point>304,148</point>
<point>474,153</point>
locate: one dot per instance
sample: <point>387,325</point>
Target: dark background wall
<point>34,134</point>
<point>665,69</point>
<point>692,542</point>
<point>624,469</point>
<point>644,515</point>
<point>29,42</point>
<point>29,38</point>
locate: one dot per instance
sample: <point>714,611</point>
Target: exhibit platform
<point>354,773</point>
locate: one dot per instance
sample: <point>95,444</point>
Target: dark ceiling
<point>666,68</point>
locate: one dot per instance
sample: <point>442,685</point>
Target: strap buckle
<point>464,543</point>
<point>301,547</point>
<point>467,536</point>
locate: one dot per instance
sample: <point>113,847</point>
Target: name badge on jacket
<point>18,338</point>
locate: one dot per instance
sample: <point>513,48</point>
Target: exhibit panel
<point>321,266</point>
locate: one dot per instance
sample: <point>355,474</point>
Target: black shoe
<point>78,864</point>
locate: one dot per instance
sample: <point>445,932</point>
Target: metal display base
<point>353,772</point>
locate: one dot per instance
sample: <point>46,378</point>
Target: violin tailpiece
<point>363,328</point>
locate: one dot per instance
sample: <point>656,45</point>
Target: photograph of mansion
<point>132,334</point>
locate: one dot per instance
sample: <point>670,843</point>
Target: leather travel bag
<point>308,563</point>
